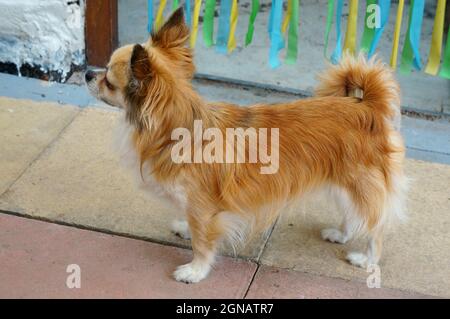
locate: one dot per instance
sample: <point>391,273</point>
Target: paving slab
<point>276,283</point>
<point>35,256</point>
<point>26,128</point>
<point>79,181</point>
<point>415,255</point>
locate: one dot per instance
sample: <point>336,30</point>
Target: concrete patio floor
<point>69,175</point>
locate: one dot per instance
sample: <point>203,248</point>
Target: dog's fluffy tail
<point>374,83</point>
<point>370,80</point>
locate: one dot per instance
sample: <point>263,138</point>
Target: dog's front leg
<point>205,230</point>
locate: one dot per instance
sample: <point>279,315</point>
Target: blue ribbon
<point>276,38</point>
<point>385,6</point>
<point>150,15</point>
<point>187,6</point>
<point>224,26</point>
<point>414,32</point>
<point>337,53</point>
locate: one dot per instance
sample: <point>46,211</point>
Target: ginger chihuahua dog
<point>345,140</point>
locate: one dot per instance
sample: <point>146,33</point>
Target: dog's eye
<point>108,84</point>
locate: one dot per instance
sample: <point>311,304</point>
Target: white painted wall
<point>45,33</point>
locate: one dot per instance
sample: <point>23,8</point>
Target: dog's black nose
<point>89,75</point>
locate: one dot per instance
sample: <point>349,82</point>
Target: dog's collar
<point>357,92</point>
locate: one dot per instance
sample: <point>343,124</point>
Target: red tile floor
<point>35,256</point>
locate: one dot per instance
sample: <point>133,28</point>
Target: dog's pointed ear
<point>173,33</point>
<point>140,63</point>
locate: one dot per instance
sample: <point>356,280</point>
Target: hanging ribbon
<point>193,39</point>
<point>159,15</point>
<point>150,16</point>
<point>369,28</point>
<point>293,32</point>
<point>287,18</point>
<point>175,4</point>
<point>337,53</point>
<point>208,22</point>
<point>224,26</point>
<point>350,35</point>
<point>445,68</point>
<point>233,23</point>
<point>276,39</point>
<point>251,22</point>
<point>385,6</point>
<point>434,58</point>
<point>329,23</point>
<point>398,26</point>
<point>187,8</point>
<point>414,35</point>
<point>411,54</point>
<point>407,53</point>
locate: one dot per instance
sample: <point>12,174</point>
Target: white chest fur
<point>123,145</point>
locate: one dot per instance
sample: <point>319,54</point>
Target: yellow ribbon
<point>350,37</point>
<point>398,26</point>
<point>159,15</point>
<point>434,58</point>
<point>193,39</point>
<point>287,18</point>
<point>233,24</point>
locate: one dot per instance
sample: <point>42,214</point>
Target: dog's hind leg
<point>373,254</point>
<point>342,235</point>
<point>369,194</point>
<point>350,223</point>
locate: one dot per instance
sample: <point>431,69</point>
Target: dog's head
<point>141,74</point>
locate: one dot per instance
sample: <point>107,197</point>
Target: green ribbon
<point>175,4</point>
<point>445,68</point>
<point>251,22</point>
<point>208,22</point>
<point>407,53</point>
<point>329,23</point>
<point>293,33</point>
<point>368,33</point>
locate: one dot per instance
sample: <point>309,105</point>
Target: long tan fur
<point>333,140</point>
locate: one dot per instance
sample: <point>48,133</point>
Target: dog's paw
<point>333,235</point>
<point>191,273</point>
<point>181,229</point>
<point>357,259</point>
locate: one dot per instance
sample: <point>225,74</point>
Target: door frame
<point>101,31</point>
